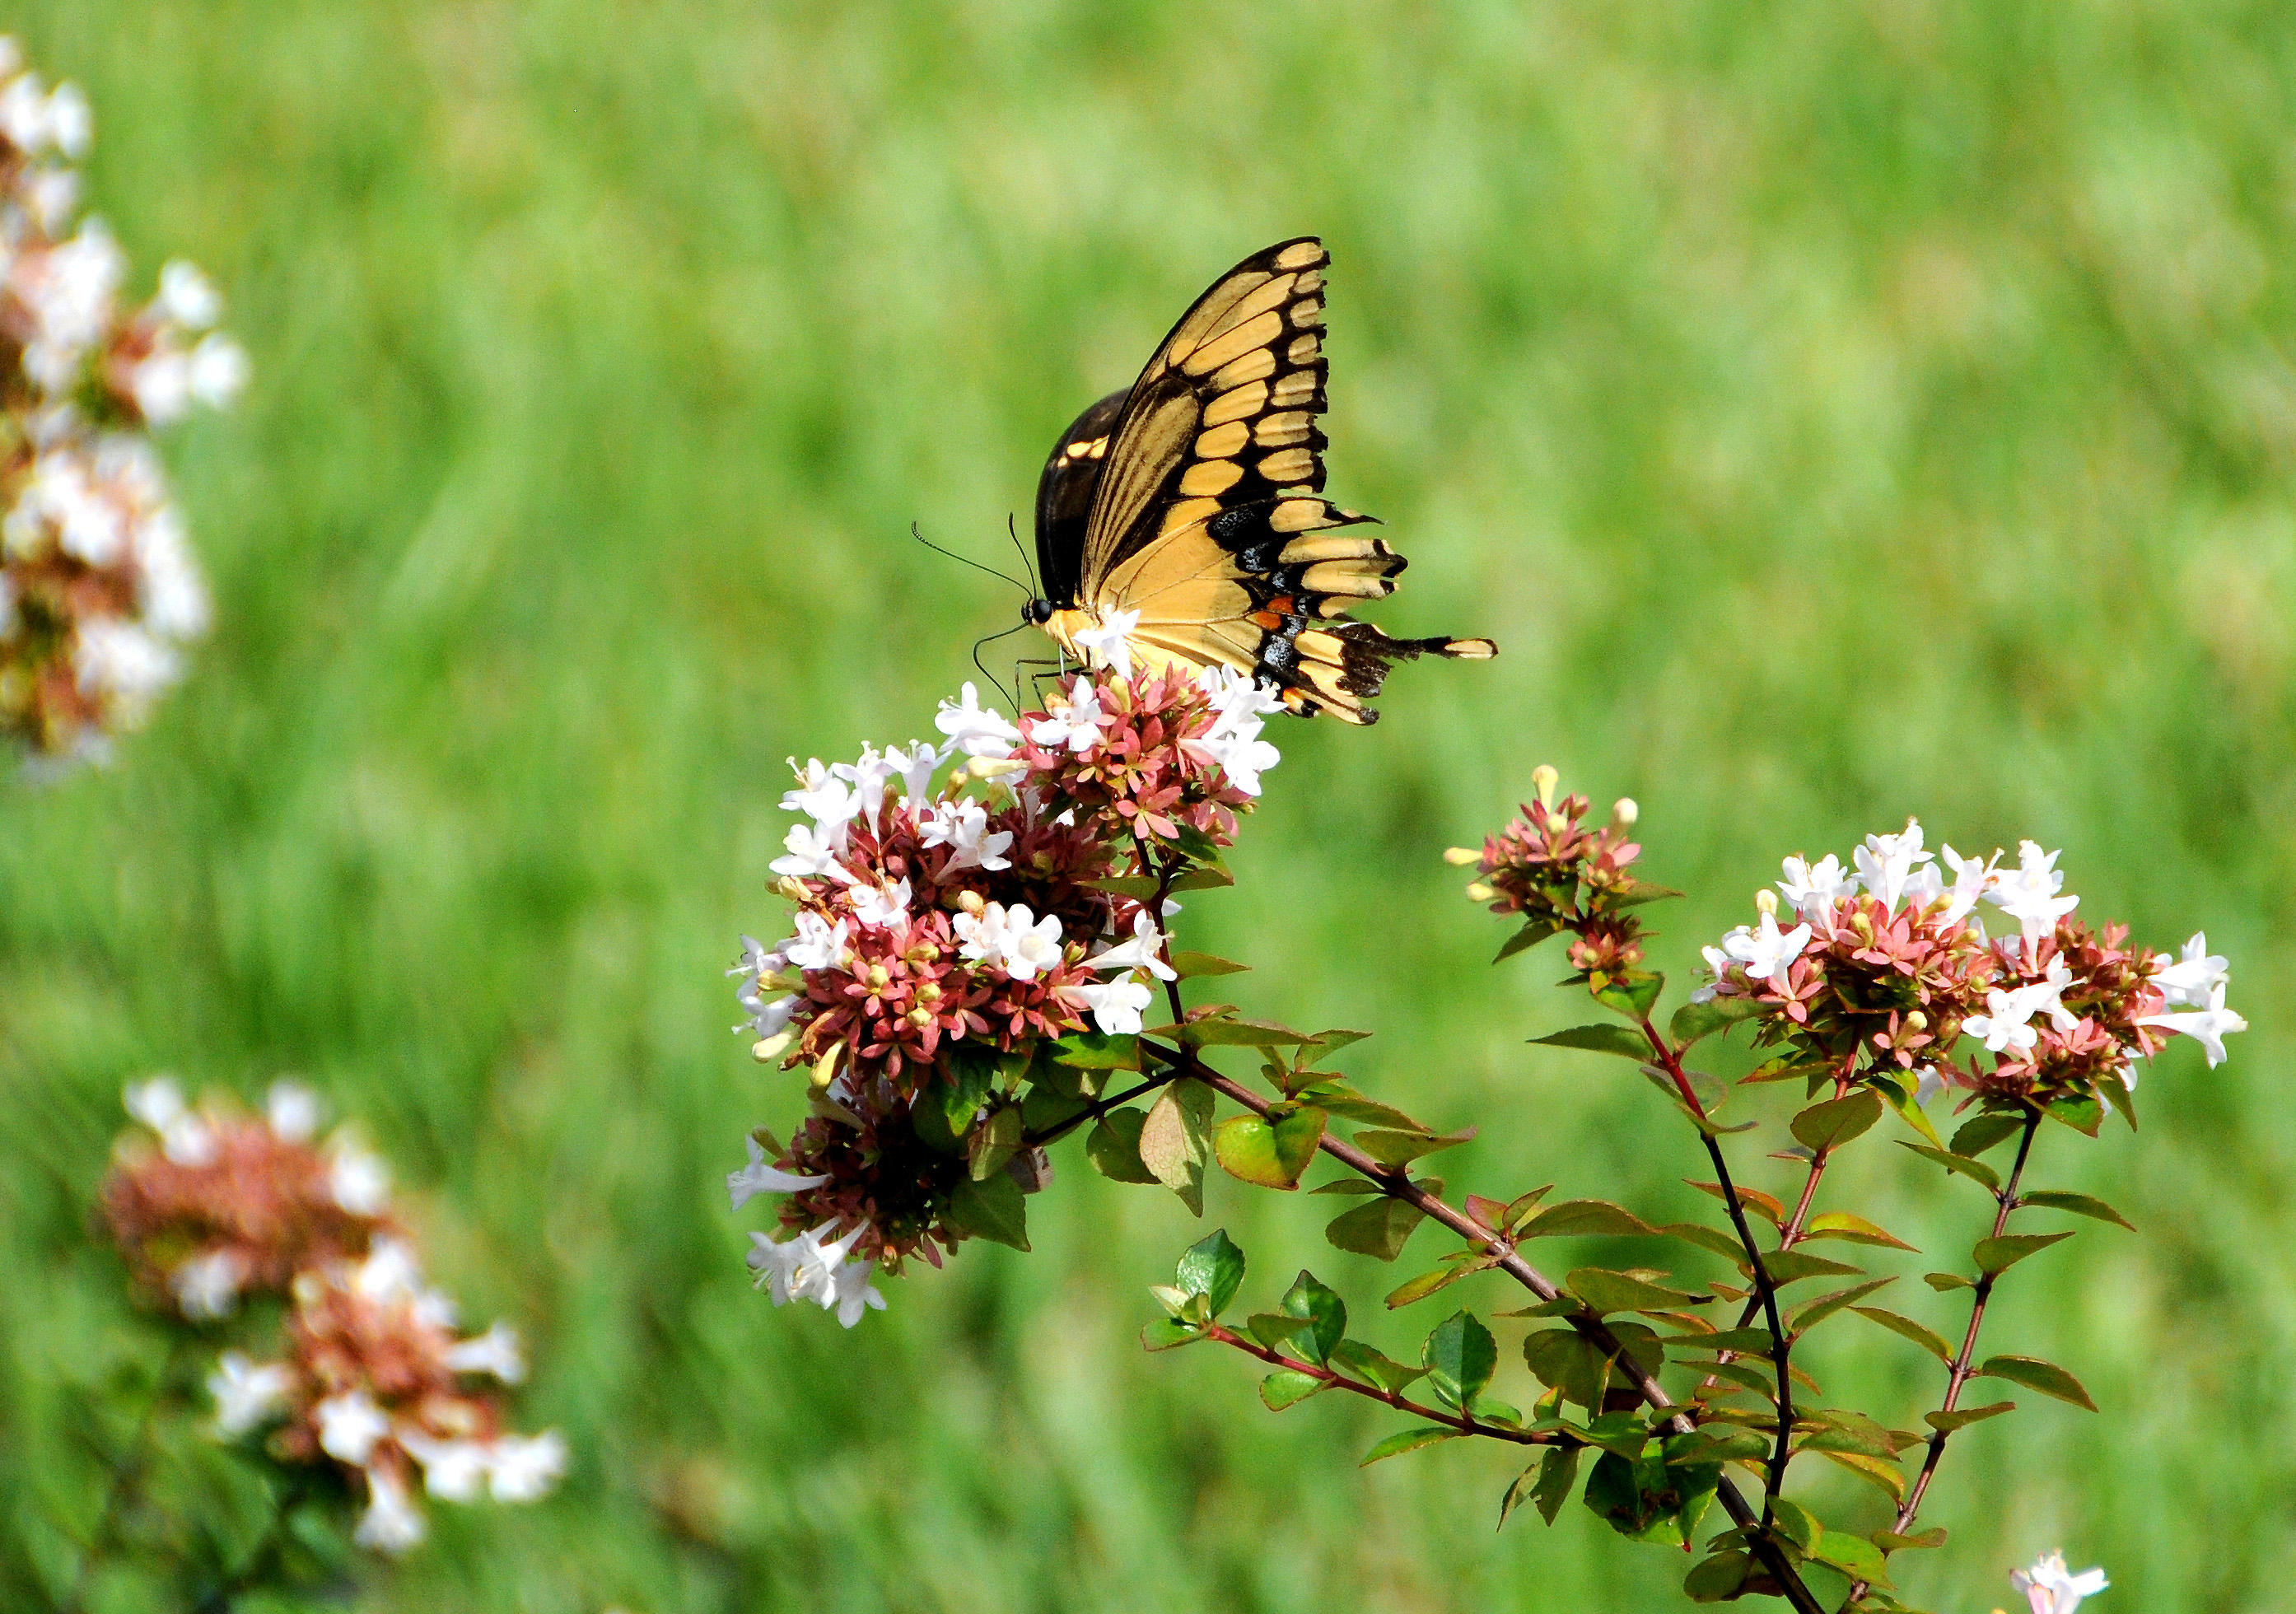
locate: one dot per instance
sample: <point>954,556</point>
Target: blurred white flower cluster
<point>99,591</point>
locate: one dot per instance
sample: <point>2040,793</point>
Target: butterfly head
<point>1036,613</point>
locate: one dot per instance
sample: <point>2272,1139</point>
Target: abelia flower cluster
<point>1889,961</point>
<point>1560,876</point>
<point>98,588</point>
<point>212,1203</point>
<point>212,1206</point>
<point>375,1379</point>
<point>974,916</point>
<point>2049,1587</point>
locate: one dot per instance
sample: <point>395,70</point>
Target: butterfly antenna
<point>1013,532</point>
<point>997,684</point>
<point>976,565</point>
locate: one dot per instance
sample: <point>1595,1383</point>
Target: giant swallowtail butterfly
<point>1193,499</point>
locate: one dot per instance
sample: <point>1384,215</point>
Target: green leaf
<point>1275,1330</point>
<point>1633,995</point>
<point>1331,1040</point>
<point>1558,1472</point>
<point>1763,1205</point>
<point>1345,1102</point>
<point>1168,1333</point>
<point>1983,1131</point>
<point>1372,1368</point>
<point>1853,1229</point>
<point>1564,1359</point>
<point>970,1071</point>
<point>2034,1374</point>
<point>1353,1187</point>
<point>1531,934</point>
<point>1379,1228</point>
<point>1234,1031</point>
<point>1633,893</point>
<point>1113,1147</point>
<point>1853,1555</point>
<point>1943,1281</point>
<point>1572,1218</point>
<point>1809,1314</point>
<point>1796,1523</point>
<point>1608,1291</point>
<point>1046,1110</point>
<point>1460,1356</point>
<point>1921,1335</point>
<point>2079,1204</point>
<point>1097,1051</point>
<point>1323,1310</point>
<point>1288,1387</point>
<point>1600,1038</point>
<point>1792,1265</point>
<point>1189,966</point>
<point>1176,1140</point>
<point>1976,1171</point>
<point>1648,1501</point>
<point>1408,1440</point>
<point>1712,1239</point>
<point>996,1142</point>
<point>1835,1122</point>
<point>1402,1148</point>
<point>1890,1541</point>
<point>995,1210</point>
<point>1962,1417</point>
<point>2078,1111</point>
<point>1694,1021</point>
<point>1903,1102</point>
<point>1271,1154</point>
<point>1427,1282</point>
<point>1878,1471</point>
<point>1750,1341</point>
<point>1717,1579</point>
<point>1999,1255</point>
<point>1212,1268</point>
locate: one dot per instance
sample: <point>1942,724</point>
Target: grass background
<point>1835,410</point>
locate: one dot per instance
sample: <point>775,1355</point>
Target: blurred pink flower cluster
<point>987,915</point>
<point>213,1206</point>
<point>99,591</point>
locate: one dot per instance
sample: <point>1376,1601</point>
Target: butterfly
<point>1179,522</point>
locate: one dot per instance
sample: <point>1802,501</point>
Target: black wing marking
<point>1064,499</point>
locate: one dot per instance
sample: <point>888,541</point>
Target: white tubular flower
<point>350,1427</point>
<point>187,296</point>
<point>1766,952</point>
<point>2208,1026</point>
<point>869,777</point>
<point>1107,642</point>
<point>1971,877</point>
<point>2029,894</point>
<point>1075,727</point>
<point>207,1287</point>
<point>216,370</point>
<point>2049,1589</point>
<point>453,1471</point>
<point>757,1177</point>
<point>1116,1005</point>
<point>963,826</point>
<point>1718,962</point>
<point>1885,863</point>
<point>389,1272</point>
<point>1929,1086</point>
<point>2003,1027</point>
<point>768,1017</point>
<point>358,1179</point>
<point>2189,981</point>
<point>157,1102</point>
<point>2046,995</point>
<point>818,1261</point>
<point>1813,888</point>
<point>975,730</point>
<point>776,1265</point>
<point>1144,951</point>
<point>819,945</point>
<point>882,907</point>
<point>525,1468</point>
<point>496,1352</point>
<point>391,1523</point>
<point>915,768</point>
<point>247,1394</point>
<point>292,1111</point>
<point>1243,757</point>
<point>853,1294</point>
<point>813,850</point>
<point>820,795</point>
<point>1030,947</point>
<point>121,658</point>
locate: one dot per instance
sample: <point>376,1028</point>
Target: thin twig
<point>1094,1110</point>
<point>1958,1375</point>
<point>1462,1422</point>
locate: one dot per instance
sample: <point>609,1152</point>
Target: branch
<point>1464,1425</point>
<point>1094,1110</point>
<point>1765,1293</point>
<point>1958,1375</point>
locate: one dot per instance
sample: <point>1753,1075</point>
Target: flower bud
<point>1460,857</point>
<point>879,977</point>
<point>793,889</point>
<point>920,1017</point>
<point>928,992</point>
<point>825,1072</point>
<point>973,902</point>
<point>1766,903</point>
<point>1917,1022</point>
<point>1543,779</point>
<point>768,1049</point>
<point>1481,891</point>
<point>1624,812</point>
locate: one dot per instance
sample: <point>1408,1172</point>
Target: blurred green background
<point>1836,410</point>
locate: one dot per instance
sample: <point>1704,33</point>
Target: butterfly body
<point>1180,522</point>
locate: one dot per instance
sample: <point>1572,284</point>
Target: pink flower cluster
<point>978,914</point>
<point>1889,963</point>
<point>1560,876</point>
<point>212,1205</point>
<point>98,588</point>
